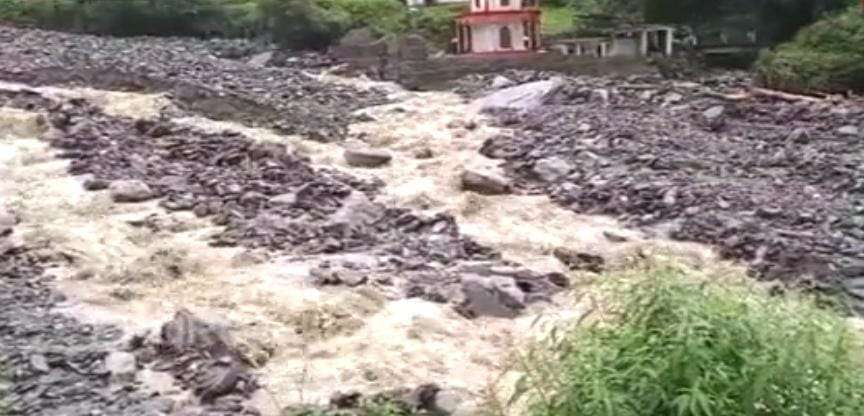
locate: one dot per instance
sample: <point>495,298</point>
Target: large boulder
<point>367,158</point>
<point>484,183</point>
<point>552,168</point>
<point>497,296</point>
<point>359,44</point>
<point>521,97</point>
<point>260,60</point>
<point>130,191</point>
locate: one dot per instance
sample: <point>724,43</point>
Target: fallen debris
<point>129,191</point>
<point>776,184</point>
<point>367,158</point>
<point>484,183</point>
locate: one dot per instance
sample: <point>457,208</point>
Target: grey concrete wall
<point>624,47</point>
<point>439,73</point>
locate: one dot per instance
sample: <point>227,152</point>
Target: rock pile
<point>286,98</point>
<point>777,183</point>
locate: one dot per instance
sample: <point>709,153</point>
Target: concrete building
<point>499,26</point>
<point>649,40</point>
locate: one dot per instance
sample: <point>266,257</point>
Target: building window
<point>506,38</point>
<point>476,4</point>
<point>504,3</point>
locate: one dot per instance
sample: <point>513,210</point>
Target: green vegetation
<point>293,23</point>
<point>558,19</point>
<point>673,344</point>
<point>827,56</point>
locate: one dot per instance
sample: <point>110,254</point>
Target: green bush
<point>825,57</point>
<point>435,23</point>
<point>302,24</point>
<point>382,16</point>
<point>11,10</point>
<point>671,345</point>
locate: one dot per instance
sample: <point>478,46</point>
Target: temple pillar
<point>670,33</point>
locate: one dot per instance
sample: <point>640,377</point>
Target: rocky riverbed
<point>775,181</point>
<point>261,197</point>
<point>197,74</point>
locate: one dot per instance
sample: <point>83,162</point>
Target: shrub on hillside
<point>382,16</point>
<point>435,23</point>
<point>302,24</point>
<point>825,57</point>
<point>136,17</point>
<point>670,345</point>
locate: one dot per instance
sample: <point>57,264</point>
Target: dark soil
<point>778,184</point>
<point>286,98</point>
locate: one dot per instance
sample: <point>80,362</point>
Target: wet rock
<point>424,153</point>
<point>576,260</point>
<point>799,135</point>
<point>367,158</point>
<point>130,191</point>
<point>496,296</point>
<point>551,169</point>
<point>337,276</point>
<point>185,332</point>
<point>350,400</point>
<point>849,131</point>
<point>614,237</point>
<point>283,199</point>
<point>8,221</point>
<point>714,113</point>
<point>39,363</point>
<point>673,98</point>
<point>484,183</point>
<point>356,209</point>
<point>521,97</point>
<point>218,381</point>
<point>159,130</point>
<point>83,130</point>
<point>501,82</point>
<point>121,364</point>
<point>260,60</point>
<point>96,184</point>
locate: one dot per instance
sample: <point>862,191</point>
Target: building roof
<point>641,28</point>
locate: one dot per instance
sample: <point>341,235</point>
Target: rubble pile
<point>265,197</point>
<point>776,181</point>
<point>53,364</point>
<point>288,98</point>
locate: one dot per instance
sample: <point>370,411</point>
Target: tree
<point>302,24</point>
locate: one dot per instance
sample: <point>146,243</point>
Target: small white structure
<point>642,41</point>
<point>500,26</point>
<point>633,41</point>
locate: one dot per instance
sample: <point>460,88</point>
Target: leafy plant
<point>825,57</point>
<point>677,345</point>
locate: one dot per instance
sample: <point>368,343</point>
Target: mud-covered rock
<point>130,191</point>
<point>484,183</point>
<point>367,158</point>
<point>772,182</point>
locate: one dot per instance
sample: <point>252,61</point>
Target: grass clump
<point>825,57</point>
<point>669,344</point>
